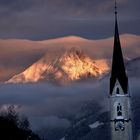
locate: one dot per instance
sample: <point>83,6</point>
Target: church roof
<point>118,68</point>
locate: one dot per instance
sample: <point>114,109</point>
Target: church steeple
<point>120,107</point>
<point>118,69</point>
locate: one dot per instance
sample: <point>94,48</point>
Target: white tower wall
<point>121,123</point>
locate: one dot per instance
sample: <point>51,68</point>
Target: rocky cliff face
<point>69,66</point>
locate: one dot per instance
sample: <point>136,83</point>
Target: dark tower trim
<point>118,68</point>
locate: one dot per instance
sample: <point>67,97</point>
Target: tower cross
<point>116,8</point>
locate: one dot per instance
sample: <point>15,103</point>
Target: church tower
<point>121,123</point>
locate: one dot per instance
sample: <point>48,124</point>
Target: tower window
<point>119,113</point>
<point>119,110</point>
<point>118,91</point>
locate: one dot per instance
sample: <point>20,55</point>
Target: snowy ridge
<point>70,66</point>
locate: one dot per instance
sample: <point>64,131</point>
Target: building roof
<point>118,67</point>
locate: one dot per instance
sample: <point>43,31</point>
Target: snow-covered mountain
<point>17,54</point>
<point>72,65</point>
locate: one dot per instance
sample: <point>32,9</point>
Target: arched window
<point>118,90</point>
<point>118,108</point>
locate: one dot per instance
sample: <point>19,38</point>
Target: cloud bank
<point>49,107</point>
<point>17,55</point>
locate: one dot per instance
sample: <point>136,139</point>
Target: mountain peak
<point>73,65</point>
<point>75,52</point>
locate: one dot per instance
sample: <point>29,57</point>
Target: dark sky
<point>43,19</point>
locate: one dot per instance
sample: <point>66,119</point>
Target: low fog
<point>51,106</point>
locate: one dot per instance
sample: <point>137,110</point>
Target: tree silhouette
<point>13,127</point>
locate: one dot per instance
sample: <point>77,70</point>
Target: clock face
<point>119,125</point>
